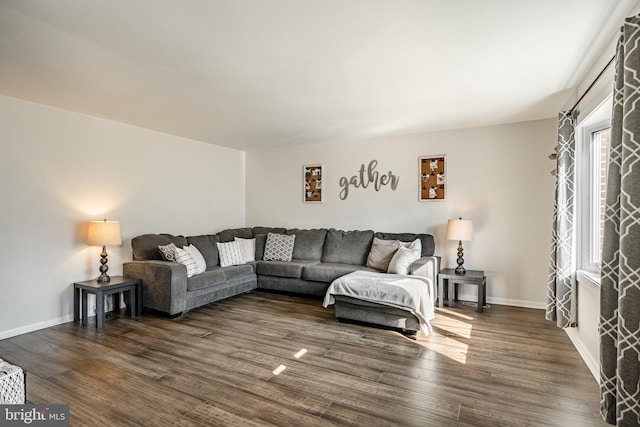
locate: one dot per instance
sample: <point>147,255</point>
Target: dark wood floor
<point>216,366</point>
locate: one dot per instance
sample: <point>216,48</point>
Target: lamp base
<point>460,269</point>
<point>103,278</point>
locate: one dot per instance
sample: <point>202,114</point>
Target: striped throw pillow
<point>184,258</point>
<point>230,254</point>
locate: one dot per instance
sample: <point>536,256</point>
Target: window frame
<point>588,206</point>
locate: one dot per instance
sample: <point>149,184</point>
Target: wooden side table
<point>472,277</point>
<point>132,289</point>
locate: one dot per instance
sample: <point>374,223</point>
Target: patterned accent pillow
<point>279,247</point>
<point>381,253</point>
<point>184,258</point>
<point>168,252</point>
<point>230,254</point>
<point>201,264</point>
<point>247,248</point>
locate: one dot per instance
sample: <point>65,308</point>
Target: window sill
<point>584,276</point>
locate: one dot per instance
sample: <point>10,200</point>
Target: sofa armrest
<point>164,284</point>
<point>427,266</point>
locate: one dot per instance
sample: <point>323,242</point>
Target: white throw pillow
<point>247,248</point>
<point>197,257</point>
<point>406,255</point>
<point>416,244</point>
<point>381,253</point>
<point>184,258</point>
<point>279,247</point>
<point>230,254</point>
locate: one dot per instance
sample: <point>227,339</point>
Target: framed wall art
<point>432,178</point>
<point>312,183</point>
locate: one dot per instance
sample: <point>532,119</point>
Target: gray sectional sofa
<point>319,257</point>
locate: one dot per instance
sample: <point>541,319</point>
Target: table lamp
<point>104,233</point>
<point>460,229</point>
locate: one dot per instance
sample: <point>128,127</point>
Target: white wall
<point>59,170</point>
<point>497,176</point>
<point>585,336</point>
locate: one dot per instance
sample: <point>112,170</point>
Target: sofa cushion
<point>237,271</point>
<point>328,272</point>
<point>212,277</point>
<point>347,247</point>
<point>428,244</point>
<point>261,240</point>
<point>206,244</point>
<point>145,247</point>
<point>253,265</point>
<point>309,243</point>
<point>291,269</point>
<point>264,230</point>
<point>228,234</point>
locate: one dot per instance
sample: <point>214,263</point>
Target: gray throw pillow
<point>381,253</point>
<point>279,247</point>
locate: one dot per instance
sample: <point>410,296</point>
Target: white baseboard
<point>517,303</point>
<point>48,323</point>
<point>505,301</point>
<point>91,311</point>
<point>36,326</point>
<point>592,363</point>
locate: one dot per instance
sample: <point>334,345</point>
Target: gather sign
<point>367,176</point>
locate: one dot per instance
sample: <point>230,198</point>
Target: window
<point>598,190</point>
<point>591,186</point>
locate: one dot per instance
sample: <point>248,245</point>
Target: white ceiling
<point>251,73</point>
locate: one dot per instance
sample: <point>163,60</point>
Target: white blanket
<point>409,293</point>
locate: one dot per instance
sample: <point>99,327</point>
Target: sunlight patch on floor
<point>279,370</point>
<point>451,331</point>
<point>448,347</point>
<point>452,313</point>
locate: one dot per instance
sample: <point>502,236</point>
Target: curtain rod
<point>592,84</point>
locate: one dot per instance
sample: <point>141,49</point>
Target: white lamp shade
<point>460,229</point>
<point>104,233</point>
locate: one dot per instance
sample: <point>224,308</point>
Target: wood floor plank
<point>216,365</point>
<point>243,380</point>
<point>42,391</point>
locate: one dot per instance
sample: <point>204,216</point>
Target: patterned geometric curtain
<point>561,298</point>
<point>620,281</point>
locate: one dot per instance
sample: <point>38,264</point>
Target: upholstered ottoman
<point>394,300</point>
<point>12,384</point>
<point>369,312</point>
